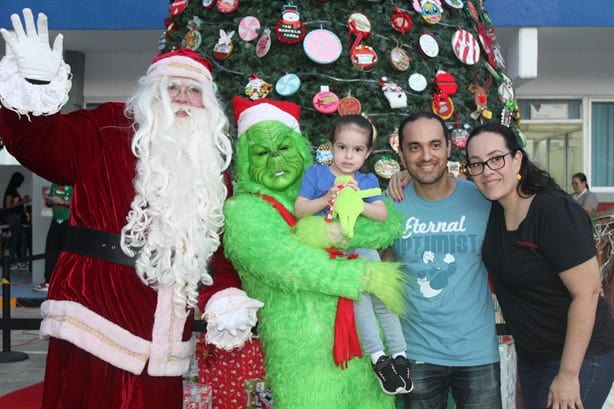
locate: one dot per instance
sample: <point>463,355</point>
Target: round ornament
<point>290,29</point>
<point>428,45</point>
<point>322,46</point>
<point>324,156</point>
<point>325,102</point>
<point>399,59</point>
<point>465,47</point>
<point>287,85</point>
<point>431,11</point>
<point>454,4</point>
<point>364,57</point>
<point>359,24</point>
<point>401,21</point>
<point>248,28</point>
<point>386,167</point>
<point>264,43</point>
<point>227,6</point>
<point>417,82</point>
<point>349,106</point>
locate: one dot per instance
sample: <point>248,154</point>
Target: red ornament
<point>177,7</point>
<point>401,21</point>
<point>290,29</point>
<point>442,105</point>
<point>349,106</point>
<point>446,82</point>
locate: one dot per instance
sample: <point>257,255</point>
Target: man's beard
<point>176,215</point>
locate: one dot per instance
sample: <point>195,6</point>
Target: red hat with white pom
<point>182,62</point>
<point>248,113</point>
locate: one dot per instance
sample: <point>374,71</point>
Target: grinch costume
<point>299,284</point>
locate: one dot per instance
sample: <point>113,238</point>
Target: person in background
<point>540,254</point>
<point>582,194</point>
<point>15,217</point>
<point>58,200</point>
<point>146,214</point>
<point>450,326</point>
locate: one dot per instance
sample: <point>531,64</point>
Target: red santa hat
<point>182,62</point>
<point>248,113</point>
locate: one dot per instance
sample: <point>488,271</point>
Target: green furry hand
<point>386,281</point>
<point>348,206</point>
<point>317,232</point>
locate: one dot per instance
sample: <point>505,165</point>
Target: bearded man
<point>145,217</point>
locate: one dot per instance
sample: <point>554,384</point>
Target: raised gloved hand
<point>230,316</point>
<point>35,59</point>
<point>386,281</point>
<point>349,204</point>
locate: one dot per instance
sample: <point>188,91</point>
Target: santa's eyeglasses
<point>192,91</point>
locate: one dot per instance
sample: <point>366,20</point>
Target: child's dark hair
<point>357,120</point>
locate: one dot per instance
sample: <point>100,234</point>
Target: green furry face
<point>275,161</point>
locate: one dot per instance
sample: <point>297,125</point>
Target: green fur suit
<point>298,284</point>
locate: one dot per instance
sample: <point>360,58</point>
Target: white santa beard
<point>176,215</point>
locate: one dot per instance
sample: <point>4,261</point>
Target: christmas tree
<point>369,56</point>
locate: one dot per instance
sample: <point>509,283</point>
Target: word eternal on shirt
<point>413,225</point>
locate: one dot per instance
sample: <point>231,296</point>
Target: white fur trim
<point>264,112</point>
<point>89,331</point>
<point>23,97</point>
<point>179,66</point>
<point>169,356</point>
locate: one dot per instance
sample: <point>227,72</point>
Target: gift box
<point>258,394</point>
<point>197,395</point>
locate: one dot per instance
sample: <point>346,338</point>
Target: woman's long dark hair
<point>533,179</point>
<point>15,181</point>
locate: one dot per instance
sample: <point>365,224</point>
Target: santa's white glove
<point>230,316</point>
<point>35,59</point>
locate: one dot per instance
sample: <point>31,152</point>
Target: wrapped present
<point>258,394</point>
<point>197,395</point>
<point>227,371</point>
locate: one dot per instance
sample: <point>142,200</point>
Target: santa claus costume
<point>147,177</point>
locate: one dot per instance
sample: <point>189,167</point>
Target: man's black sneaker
<point>403,368</point>
<point>387,376</point>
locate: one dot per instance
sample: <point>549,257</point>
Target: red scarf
<point>346,344</point>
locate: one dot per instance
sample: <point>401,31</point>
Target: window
<point>602,144</point>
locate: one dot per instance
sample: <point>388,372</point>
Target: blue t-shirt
<point>318,180</point>
<point>450,310</point>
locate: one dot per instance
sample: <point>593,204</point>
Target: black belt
<point>96,243</point>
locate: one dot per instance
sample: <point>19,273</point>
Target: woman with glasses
<point>540,253</point>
